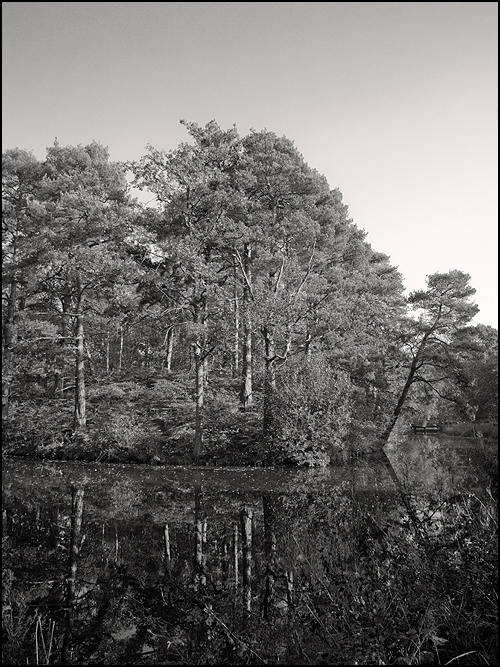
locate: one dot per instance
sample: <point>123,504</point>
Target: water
<point>198,565</point>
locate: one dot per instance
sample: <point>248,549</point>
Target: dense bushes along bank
<point>150,419</point>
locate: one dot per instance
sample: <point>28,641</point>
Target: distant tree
<point>475,378</point>
<point>445,311</point>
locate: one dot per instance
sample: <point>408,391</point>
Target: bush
<point>311,410</point>
<point>124,437</point>
<point>38,428</point>
<point>472,429</point>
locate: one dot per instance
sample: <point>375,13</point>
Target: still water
<point>112,564</point>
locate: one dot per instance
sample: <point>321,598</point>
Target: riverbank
<point>149,419</point>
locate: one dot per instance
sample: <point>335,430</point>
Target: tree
<point>315,284</point>
<point>445,310</point>
<point>278,261</point>
<point>23,246</point>
<point>483,371</point>
<point>84,207</point>
<point>358,324</point>
<point>195,191</point>
<point>474,384</point>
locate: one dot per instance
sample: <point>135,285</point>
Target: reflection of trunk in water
<point>203,632</point>
<point>279,577</point>
<point>235,553</point>
<point>225,562</point>
<point>404,495</point>
<point>75,544</point>
<point>36,517</point>
<point>200,573</point>
<point>166,545</point>
<point>246,520</point>
<point>270,554</point>
<point>290,587</point>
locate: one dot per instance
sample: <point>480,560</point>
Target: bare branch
<point>280,273</point>
<point>430,384</point>
<point>237,256</point>
<point>309,267</point>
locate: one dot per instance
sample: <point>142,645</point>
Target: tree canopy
<point>247,279</point>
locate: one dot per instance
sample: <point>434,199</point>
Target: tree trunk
<point>269,379</point>
<point>236,350</point>
<point>9,340</point>
<point>397,411</point>
<point>120,354</point>
<point>415,365</point>
<point>246,391</point>
<point>80,418</point>
<point>169,344</point>
<point>107,353</point>
<point>402,398</point>
<point>199,399</point>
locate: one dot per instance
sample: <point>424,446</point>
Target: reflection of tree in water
<point>428,466</point>
<point>314,574</point>
<point>75,543</point>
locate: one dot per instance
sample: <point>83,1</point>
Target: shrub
<point>125,437</point>
<point>472,429</point>
<point>311,411</point>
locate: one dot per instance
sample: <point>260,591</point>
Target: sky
<point>395,103</point>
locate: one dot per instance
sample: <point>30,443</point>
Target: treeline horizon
<point>247,272</point>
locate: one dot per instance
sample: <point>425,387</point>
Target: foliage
<point>312,413</point>
<point>248,262</point>
<point>392,606</point>
<point>431,353</point>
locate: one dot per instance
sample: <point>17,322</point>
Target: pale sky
<point>394,102</point>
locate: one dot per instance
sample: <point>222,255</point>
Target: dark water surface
<point>420,460</point>
<point>199,565</point>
